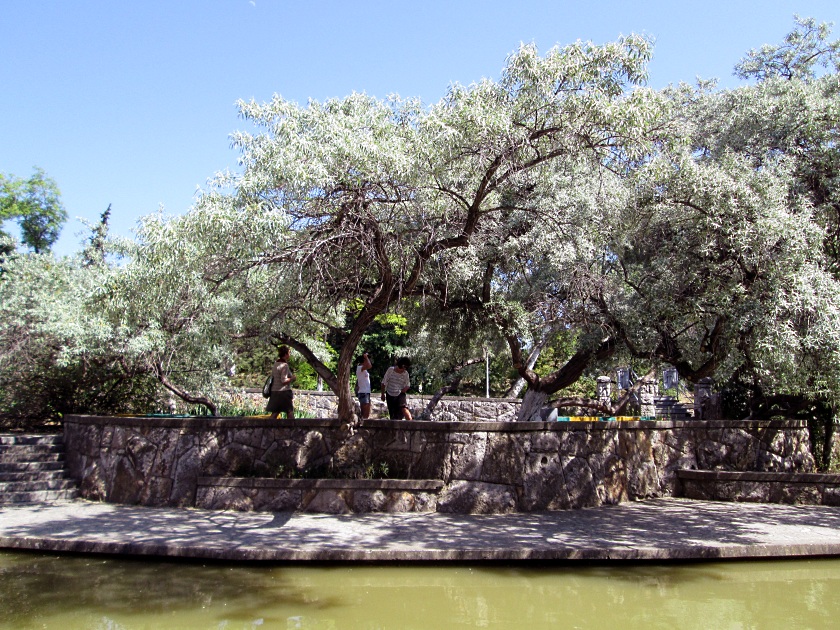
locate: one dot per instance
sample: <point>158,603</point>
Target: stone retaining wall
<point>485,467</point>
<point>448,409</point>
<point>760,487</point>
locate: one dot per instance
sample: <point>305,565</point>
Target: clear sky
<point>131,102</point>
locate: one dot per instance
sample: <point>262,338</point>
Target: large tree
<point>731,261</point>
<point>387,200</point>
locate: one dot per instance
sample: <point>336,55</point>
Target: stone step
<point>32,469</point>
<point>30,466</point>
<point>31,438</point>
<point>38,496</point>
<point>33,475</point>
<point>670,407</point>
<point>30,450</point>
<point>24,438</point>
<point>13,487</point>
<point>30,456</point>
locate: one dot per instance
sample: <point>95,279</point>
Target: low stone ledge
<point>777,477</point>
<point>327,484</point>
<point>760,487</point>
<point>331,496</point>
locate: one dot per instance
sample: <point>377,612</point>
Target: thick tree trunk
<point>540,388</point>
<point>366,317</point>
<point>530,362</point>
<point>345,396</point>
<point>339,383</point>
<point>533,401</point>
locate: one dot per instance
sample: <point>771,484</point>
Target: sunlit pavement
<point>661,529</point>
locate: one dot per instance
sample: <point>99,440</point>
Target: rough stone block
<point>325,501</point>
<point>277,500</point>
<point>435,462</point>
<point>580,484</point>
<point>543,485</point>
<point>800,494</point>
<point>127,485</point>
<point>831,495</point>
<point>503,460</point>
<point>468,497</point>
<point>223,498</point>
<point>643,481</point>
<point>467,459</point>
<point>553,442</point>
<point>92,486</point>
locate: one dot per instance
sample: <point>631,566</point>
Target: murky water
<point>49,591</point>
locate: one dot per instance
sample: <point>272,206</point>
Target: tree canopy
<point>35,203</point>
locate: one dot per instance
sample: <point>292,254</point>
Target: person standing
<point>281,398</point>
<point>363,384</point>
<point>395,384</point>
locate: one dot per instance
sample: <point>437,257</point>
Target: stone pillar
<point>703,399</point>
<point>648,391</point>
<point>603,388</point>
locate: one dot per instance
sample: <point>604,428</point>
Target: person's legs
<point>402,408</point>
<point>364,404</point>
<point>273,405</point>
<point>394,407</point>
<point>287,404</point>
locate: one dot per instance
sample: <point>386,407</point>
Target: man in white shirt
<point>395,384</point>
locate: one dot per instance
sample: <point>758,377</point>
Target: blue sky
<point>132,103</point>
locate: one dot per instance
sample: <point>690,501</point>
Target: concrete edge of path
<point>562,554</point>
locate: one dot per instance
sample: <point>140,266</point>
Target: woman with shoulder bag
<point>281,398</point>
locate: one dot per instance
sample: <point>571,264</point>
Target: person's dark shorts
<point>364,398</point>
<point>395,406</point>
<point>280,402</point>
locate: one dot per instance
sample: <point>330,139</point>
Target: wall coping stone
<point>216,422</point>
<point>323,484</point>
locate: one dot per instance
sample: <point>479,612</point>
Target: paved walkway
<point>662,529</point>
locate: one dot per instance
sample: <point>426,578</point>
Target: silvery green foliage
<point>805,49</point>
<point>388,200</point>
<point>59,351</point>
<point>785,232</point>
<point>173,299</point>
<point>730,261</point>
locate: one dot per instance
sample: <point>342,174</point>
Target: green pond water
<point>51,591</point>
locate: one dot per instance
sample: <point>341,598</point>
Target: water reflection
<point>48,591</point>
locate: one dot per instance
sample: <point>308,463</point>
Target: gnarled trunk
<point>533,401</point>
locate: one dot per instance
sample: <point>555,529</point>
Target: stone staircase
<point>32,470</point>
<point>668,407</point>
